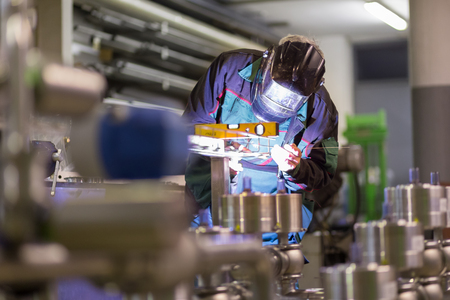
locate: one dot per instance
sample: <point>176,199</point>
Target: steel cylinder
<point>368,237</point>
<point>248,212</point>
<point>289,213</point>
<point>389,211</point>
<point>433,260</point>
<point>447,196</point>
<point>403,245</point>
<point>368,282</point>
<point>334,280</point>
<point>421,202</point>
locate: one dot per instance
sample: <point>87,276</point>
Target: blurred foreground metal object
<point>360,282</point>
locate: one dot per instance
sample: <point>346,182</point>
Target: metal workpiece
<point>289,213</point>
<point>158,270</point>
<point>220,185</point>
<point>249,212</point>
<point>404,245</point>
<point>294,259</point>
<point>411,290</point>
<point>349,281</point>
<point>67,91</point>
<point>250,254</point>
<point>433,260</point>
<point>350,159</point>
<point>306,294</point>
<point>133,271</point>
<point>23,272</point>
<point>140,215</point>
<point>446,282</point>
<point>118,142</point>
<point>229,292</point>
<point>447,195</point>
<point>334,280</point>
<point>389,211</point>
<point>369,239</point>
<point>259,212</point>
<point>383,278</point>
<point>432,288</point>
<point>445,244</point>
<point>21,191</point>
<point>424,203</point>
<point>18,54</point>
<point>286,259</point>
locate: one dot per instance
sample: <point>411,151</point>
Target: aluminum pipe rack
<point>149,11</point>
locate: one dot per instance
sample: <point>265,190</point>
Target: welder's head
<point>289,74</point>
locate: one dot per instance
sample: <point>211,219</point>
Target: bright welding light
<point>386,15</point>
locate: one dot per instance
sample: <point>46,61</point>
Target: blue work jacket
<point>223,95</point>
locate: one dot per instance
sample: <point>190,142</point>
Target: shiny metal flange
<point>259,212</point>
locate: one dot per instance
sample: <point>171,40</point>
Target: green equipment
<point>369,131</point>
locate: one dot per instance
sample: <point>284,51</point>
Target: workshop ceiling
<point>318,18</point>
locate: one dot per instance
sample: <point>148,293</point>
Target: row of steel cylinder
<point>427,203</point>
<point>255,212</point>
<point>378,282</point>
<point>391,257</point>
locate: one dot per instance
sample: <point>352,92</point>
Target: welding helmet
<point>288,75</point>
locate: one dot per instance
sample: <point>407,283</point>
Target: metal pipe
<point>220,184</point>
<point>150,11</point>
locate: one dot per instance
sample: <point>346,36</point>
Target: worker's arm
<point>319,149</point>
<point>202,108</point>
<point>204,100</point>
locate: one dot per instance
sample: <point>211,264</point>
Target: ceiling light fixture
<point>386,15</point>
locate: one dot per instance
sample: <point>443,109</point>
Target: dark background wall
<point>381,82</point>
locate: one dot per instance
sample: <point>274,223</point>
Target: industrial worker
<point>283,84</point>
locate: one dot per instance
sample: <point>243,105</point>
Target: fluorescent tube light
<point>385,15</point>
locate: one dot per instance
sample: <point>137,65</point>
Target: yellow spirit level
<point>223,131</point>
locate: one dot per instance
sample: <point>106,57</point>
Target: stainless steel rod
<point>150,11</point>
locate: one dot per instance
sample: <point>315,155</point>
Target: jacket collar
<point>249,72</point>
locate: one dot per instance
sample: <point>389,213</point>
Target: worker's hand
<point>287,157</point>
<point>235,146</point>
<point>235,166</point>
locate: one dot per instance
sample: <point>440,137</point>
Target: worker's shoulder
<point>322,98</point>
<point>250,55</point>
